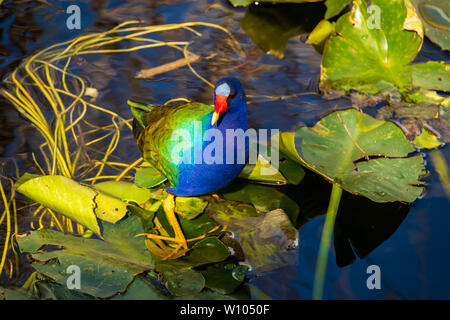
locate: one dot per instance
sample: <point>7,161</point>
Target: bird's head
<point>229,95</point>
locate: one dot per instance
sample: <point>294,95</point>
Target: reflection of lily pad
<point>106,267</point>
<point>266,238</point>
<point>363,155</point>
<point>435,16</point>
<point>270,27</point>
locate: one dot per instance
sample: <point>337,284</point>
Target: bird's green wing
<point>161,131</point>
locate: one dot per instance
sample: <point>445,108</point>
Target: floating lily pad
<point>369,49</point>
<point>125,191</point>
<point>148,177</point>
<point>435,16</point>
<point>224,277</point>
<point>179,277</point>
<point>15,294</point>
<point>107,266</point>
<point>256,172</point>
<point>426,140</point>
<point>334,7</point>
<point>57,193</point>
<point>431,75</point>
<point>141,289</point>
<point>320,34</point>
<point>189,207</point>
<point>363,155</point>
<point>264,198</point>
<point>54,291</point>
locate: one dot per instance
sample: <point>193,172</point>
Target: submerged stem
<point>333,206</point>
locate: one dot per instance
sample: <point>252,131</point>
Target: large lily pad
<point>362,52</point>
<point>179,277</point>
<point>334,7</point>
<point>435,16</point>
<point>125,191</point>
<point>73,200</point>
<point>107,266</point>
<point>363,155</point>
<point>431,75</point>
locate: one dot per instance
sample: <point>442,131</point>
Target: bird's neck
<point>235,117</point>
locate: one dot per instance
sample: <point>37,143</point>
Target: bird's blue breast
<point>207,167</point>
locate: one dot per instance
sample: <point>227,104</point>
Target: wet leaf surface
<point>56,193</point>
<point>148,177</point>
<point>435,16</point>
<point>363,155</point>
<point>107,266</point>
<point>367,51</point>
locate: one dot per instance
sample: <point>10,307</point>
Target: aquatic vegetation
<point>93,210</point>
<point>363,155</point>
<point>435,16</point>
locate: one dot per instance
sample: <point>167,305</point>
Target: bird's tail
<point>138,109</point>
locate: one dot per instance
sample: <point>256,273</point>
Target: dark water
<point>410,244</point>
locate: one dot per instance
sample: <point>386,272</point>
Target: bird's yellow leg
<point>179,238</point>
<point>169,209</point>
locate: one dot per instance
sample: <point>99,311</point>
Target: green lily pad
<point>366,52</point>
<point>148,177</point>
<point>224,277</point>
<point>107,266</point>
<point>125,191</point>
<point>141,289</point>
<point>57,193</point>
<point>263,198</point>
<point>255,172</point>
<point>435,16</point>
<point>54,291</point>
<point>334,7</point>
<point>15,294</point>
<point>427,140</point>
<point>363,155</point>
<point>179,277</point>
<point>189,207</point>
<point>431,75</point>
<point>184,282</point>
<point>320,34</point>
<point>291,170</point>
